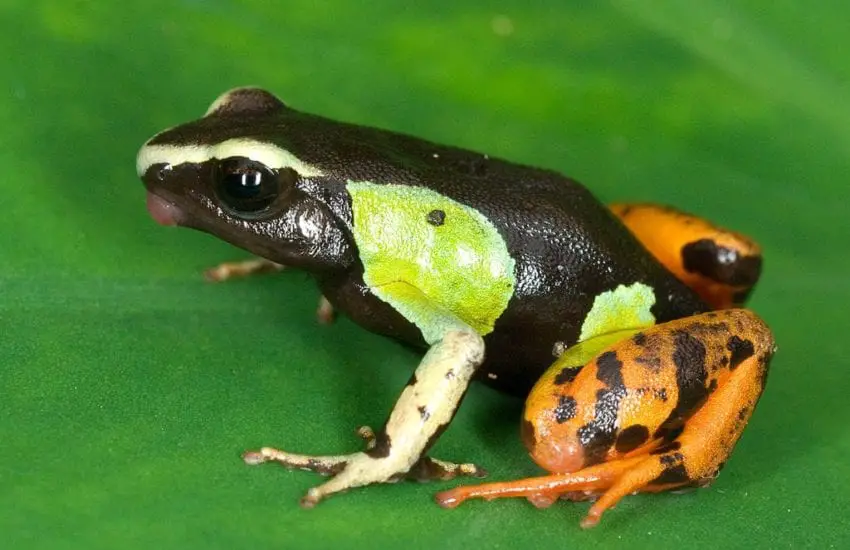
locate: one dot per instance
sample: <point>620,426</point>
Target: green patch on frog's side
<point>439,263</point>
<point>615,315</point>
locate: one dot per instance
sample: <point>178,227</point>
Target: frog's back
<point>567,246</point>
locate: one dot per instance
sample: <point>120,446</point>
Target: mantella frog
<point>622,325</point>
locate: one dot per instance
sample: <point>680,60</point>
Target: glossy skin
<point>567,249</point>
<point>567,245</point>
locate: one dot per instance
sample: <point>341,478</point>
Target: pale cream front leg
<point>423,410</point>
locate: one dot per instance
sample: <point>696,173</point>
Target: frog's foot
<point>721,266</point>
<point>421,413</point>
<point>426,468</point>
<point>325,312</point>
<point>429,469</point>
<point>233,270</point>
<point>660,410</point>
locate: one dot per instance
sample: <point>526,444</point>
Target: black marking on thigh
<point>597,436</point>
<point>672,459</point>
<point>423,412</point>
<point>631,438</point>
<point>413,380</point>
<point>670,434</point>
<point>567,374</point>
<point>672,475</point>
<point>639,339</point>
<point>667,447</point>
<point>609,370</point>
<point>382,446</point>
<point>741,350</point>
<point>689,358</point>
<point>566,409</point>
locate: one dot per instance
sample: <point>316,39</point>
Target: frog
<point>623,326</point>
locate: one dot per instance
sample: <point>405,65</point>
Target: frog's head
<point>228,174</point>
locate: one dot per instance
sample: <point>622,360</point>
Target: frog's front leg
<point>659,410</point>
<point>244,268</point>
<point>424,409</point>
<point>226,271</point>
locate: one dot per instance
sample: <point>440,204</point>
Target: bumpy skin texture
<point>567,246</point>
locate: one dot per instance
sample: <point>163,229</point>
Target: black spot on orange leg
<point>698,453</point>
<point>631,438</point>
<point>720,265</point>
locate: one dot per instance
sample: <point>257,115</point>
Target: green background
<point>129,386</point>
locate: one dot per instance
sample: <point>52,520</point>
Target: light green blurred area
<point>128,386</point>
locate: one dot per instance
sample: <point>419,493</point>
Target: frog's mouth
<point>163,211</point>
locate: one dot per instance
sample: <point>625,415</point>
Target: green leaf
<point>130,386</point>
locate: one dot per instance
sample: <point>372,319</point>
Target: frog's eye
<point>246,187</point>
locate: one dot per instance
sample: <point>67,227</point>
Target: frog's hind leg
<point>720,265</point>
<point>659,410</point>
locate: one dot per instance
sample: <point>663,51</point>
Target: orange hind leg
<point>660,410</point>
<point>721,266</point>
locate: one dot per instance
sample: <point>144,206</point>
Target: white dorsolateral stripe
<point>266,153</point>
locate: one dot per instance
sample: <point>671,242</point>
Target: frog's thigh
<point>720,265</point>
<point>620,433</point>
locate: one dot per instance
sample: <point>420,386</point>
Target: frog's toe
<point>324,465</point>
<point>233,270</point>
<point>429,469</point>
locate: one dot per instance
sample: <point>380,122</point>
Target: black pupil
<point>246,187</point>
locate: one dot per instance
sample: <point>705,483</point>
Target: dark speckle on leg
<point>740,349</point>
<point>631,438</point>
<point>566,409</point>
